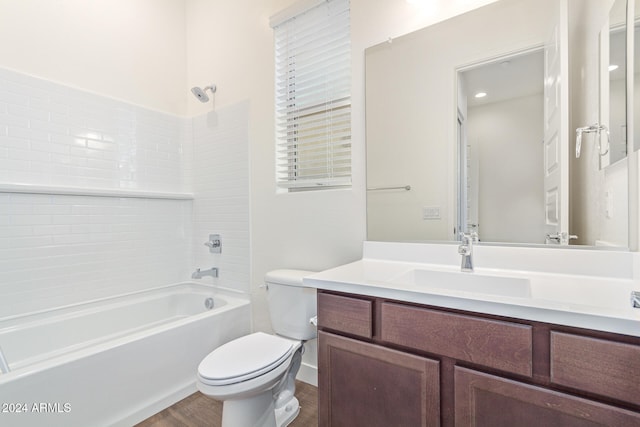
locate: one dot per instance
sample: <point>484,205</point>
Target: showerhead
<point>201,94</point>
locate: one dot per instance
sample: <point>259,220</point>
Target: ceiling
<point>505,78</point>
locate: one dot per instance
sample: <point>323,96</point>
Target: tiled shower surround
<point>57,249</point>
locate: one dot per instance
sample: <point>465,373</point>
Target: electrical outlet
<point>430,212</point>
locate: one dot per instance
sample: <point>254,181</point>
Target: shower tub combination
<point>114,361</point>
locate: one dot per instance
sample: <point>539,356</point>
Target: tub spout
<point>199,274</point>
<point>4,366</point>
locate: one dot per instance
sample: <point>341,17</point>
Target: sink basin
<point>465,282</point>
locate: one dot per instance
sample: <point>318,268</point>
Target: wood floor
<point>199,410</point>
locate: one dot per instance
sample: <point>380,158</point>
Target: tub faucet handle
<point>214,243</point>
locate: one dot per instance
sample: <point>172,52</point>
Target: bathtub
<point>114,361</point>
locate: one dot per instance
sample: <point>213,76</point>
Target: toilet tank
<point>290,304</point>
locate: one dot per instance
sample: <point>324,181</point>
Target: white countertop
<point>598,301</point>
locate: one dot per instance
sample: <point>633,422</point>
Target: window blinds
<point>313,98</point>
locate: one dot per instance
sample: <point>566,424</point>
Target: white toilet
<point>254,375</point>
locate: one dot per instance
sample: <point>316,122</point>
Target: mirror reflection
<point>441,161</point>
<point>500,117</point>
<point>614,76</point>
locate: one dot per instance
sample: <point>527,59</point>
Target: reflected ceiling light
<point>613,67</point>
<point>480,94</point>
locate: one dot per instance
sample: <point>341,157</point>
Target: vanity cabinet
<point>391,363</point>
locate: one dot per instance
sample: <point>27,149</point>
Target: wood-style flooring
<point>199,410</point>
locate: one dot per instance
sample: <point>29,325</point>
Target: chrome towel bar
<point>403,187</point>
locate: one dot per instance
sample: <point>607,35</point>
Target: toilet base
<point>287,413</point>
<point>255,411</point>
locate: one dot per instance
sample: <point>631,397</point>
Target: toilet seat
<point>244,358</point>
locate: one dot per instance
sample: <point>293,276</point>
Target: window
<point>313,97</point>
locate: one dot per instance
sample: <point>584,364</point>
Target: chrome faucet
<point>199,274</point>
<point>635,299</point>
<point>466,250</point>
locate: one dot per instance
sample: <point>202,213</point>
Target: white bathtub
<point>115,361</point>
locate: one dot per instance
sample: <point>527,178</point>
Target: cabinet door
<point>362,384</point>
<point>483,400</point>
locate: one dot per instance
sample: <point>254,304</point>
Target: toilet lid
<point>244,358</point>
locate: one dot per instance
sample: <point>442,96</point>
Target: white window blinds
<point>313,98</point>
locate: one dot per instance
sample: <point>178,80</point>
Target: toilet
<point>254,375</point>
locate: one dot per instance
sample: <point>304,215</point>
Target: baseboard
<point>308,374</point>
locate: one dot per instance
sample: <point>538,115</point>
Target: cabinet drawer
<point>496,344</point>
<point>598,366</point>
<point>345,314</point>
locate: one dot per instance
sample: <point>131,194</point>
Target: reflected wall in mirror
<point>419,121</point>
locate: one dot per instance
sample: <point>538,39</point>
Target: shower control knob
<point>214,244</point>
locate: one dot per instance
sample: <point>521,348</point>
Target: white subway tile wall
<point>55,135</point>
<point>221,191</point>
<point>57,250</point>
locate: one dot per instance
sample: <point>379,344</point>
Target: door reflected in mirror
<point>500,108</point>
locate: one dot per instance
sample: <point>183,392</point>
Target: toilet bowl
<point>254,375</point>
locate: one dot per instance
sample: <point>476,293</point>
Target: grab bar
<point>4,366</point>
<point>403,187</point>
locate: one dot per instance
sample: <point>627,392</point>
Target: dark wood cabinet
<point>371,386</point>
<point>484,400</point>
<point>506,346</point>
<point>603,367</point>
<point>351,316</point>
<point>391,363</point>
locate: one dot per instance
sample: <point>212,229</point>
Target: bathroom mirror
<point>422,185</point>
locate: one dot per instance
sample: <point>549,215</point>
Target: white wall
<point>589,184</point>
<point>129,50</point>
